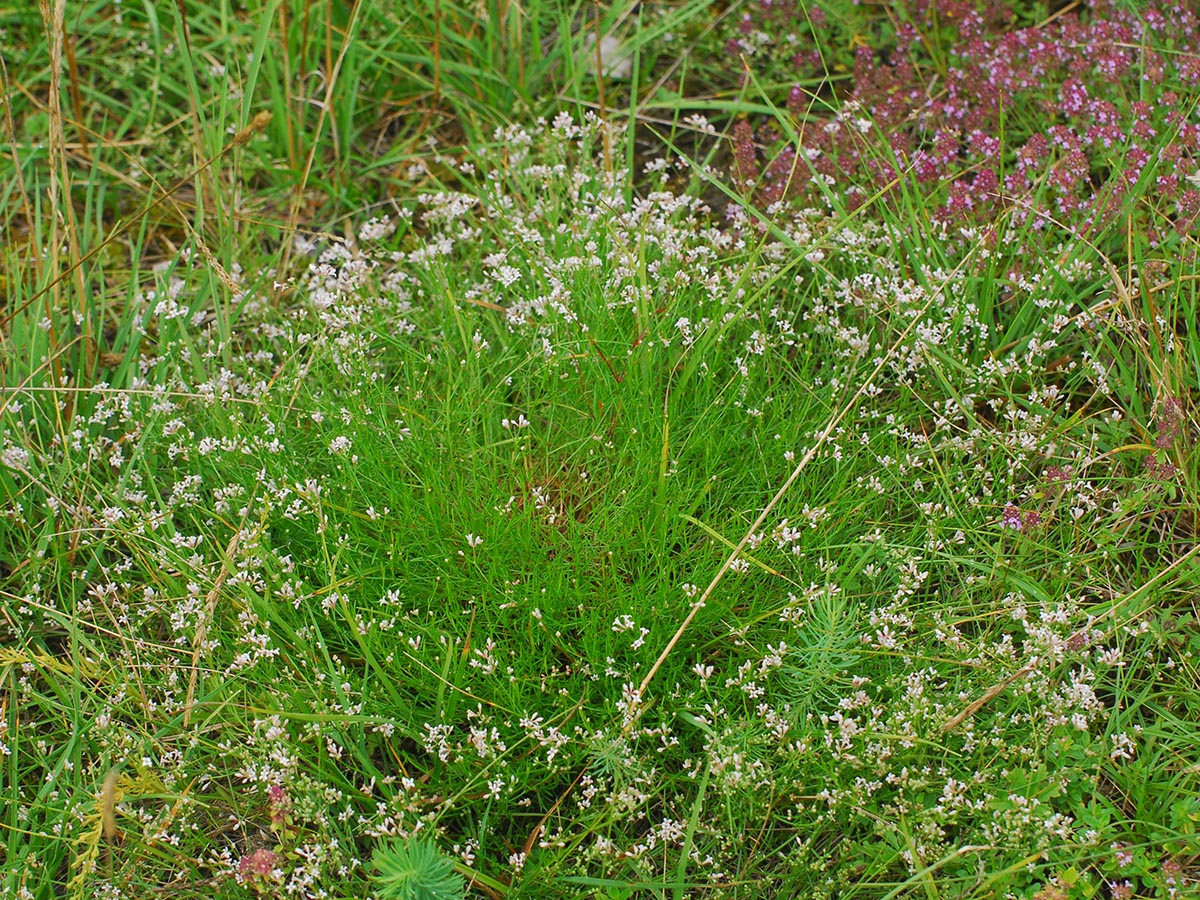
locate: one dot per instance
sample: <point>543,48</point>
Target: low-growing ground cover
<point>694,485</point>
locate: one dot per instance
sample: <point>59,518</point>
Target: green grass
<point>560,535</point>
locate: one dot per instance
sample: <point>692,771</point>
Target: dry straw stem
<point>228,564</point>
<point>108,803</point>
<point>990,694</point>
<point>324,108</point>
<point>259,123</point>
<point>779,495</point>
<point>100,825</point>
<point>54,21</point>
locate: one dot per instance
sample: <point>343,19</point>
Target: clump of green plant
<point>414,869</point>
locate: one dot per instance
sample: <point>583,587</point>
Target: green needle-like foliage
<point>416,870</point>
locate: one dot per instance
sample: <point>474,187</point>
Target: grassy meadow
<point>559,449</point>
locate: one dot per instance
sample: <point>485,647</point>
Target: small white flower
<point>15,458</point>
<point>623,623</point>
<point>376,229</point>
<point>506,275</point>
<point>1123,747</point>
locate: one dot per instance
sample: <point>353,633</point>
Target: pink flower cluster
<point>259,864</point>
<point>985,115</point>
